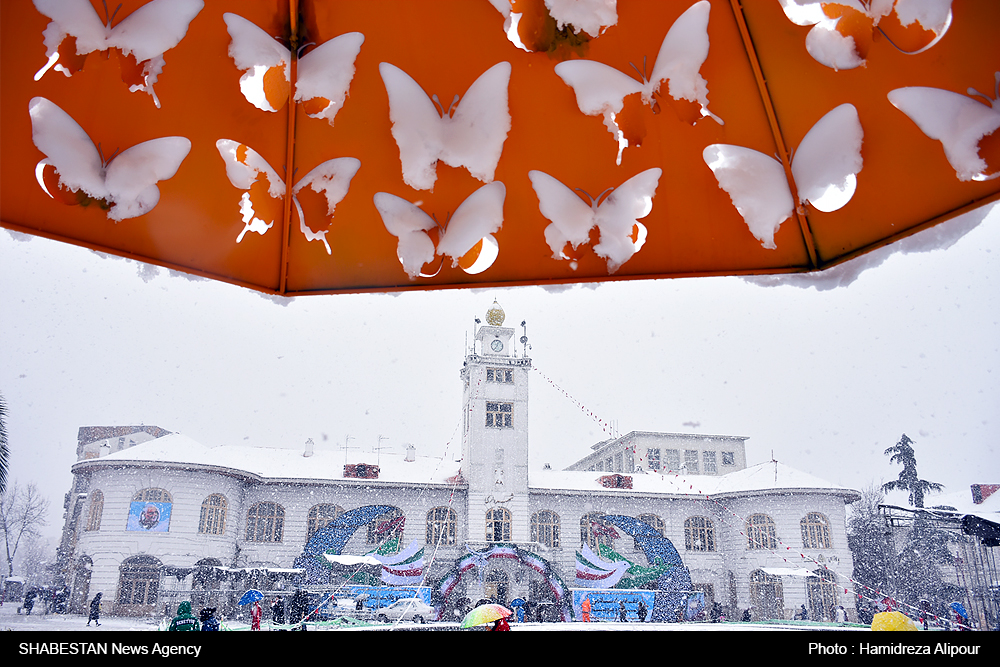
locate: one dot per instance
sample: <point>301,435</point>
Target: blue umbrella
<point>251,595</point>
<point>957,606</point>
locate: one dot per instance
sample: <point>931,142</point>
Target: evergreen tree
<point>868,541</point>
<point>903,453</point>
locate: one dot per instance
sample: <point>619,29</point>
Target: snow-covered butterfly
<point>323,75</point>
<point>825,169</point>
<point>467,237</point>
<point>262,202</point>
<point>140,39</point>
<point>616,216</point>
<point>74,171</point>
<point>843,31</point>
<point>965,127</point>
<point>469,134</point>
<point>554,25</point>
<point>604,91</point>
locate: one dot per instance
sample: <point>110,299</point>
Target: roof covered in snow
<point>269,464</point>
<point>768,476</point>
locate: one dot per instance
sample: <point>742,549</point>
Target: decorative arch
<point>448,583</point>
<point>333,537</point>
<point>674,585</point>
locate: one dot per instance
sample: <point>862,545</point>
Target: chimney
<point>309,448</point>
<point>411,453</point>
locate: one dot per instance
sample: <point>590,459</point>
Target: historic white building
<point>155,516</point>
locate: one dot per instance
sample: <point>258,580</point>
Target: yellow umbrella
<point>892,620</point>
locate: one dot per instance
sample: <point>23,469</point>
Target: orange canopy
<point>173,68</point>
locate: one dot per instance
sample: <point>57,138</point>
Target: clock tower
<point>495,434</point>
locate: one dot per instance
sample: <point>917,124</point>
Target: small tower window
<point>500,415</point>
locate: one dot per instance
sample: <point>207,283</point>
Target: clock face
<point>497,345</point>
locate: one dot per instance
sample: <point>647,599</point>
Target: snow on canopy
<point>957,121</point>
<point>824,168</point>
<point>471,134</point>
<point>127,183</point>
<point>146,33</point>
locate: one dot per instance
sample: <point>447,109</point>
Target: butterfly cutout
<point>966,128</point>
<point>825,170</point>
<point>140,39</point>
<point>75,172</point>
<point>468,237</point>
<point>616,217</point>
<point>470,134</point>
<point>844,32</point>
<point>604,91</point>
<point>555,26</point>
<point>262,203</point>
<point>323,76</point>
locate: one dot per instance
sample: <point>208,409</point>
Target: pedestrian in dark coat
<point>95,610</point>
<point>277,612</point>
<point>640,610</point>
<point>622,612</point>
<point>29,601</point>
<point>209,623</point>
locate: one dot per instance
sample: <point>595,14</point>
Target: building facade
<point>170,518</point>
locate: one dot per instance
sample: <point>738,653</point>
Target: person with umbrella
<point>488,613</point>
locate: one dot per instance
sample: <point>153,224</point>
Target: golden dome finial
<point>495,315</point>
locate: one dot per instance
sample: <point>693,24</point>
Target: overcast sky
<point>822,377</point>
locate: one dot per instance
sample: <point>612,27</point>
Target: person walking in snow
<point>184,621</point>
<point>640,611</point>
<point>585,610</point>
<point>95,610</point>
<point>622,612</point>
<point>209,623</point>
<point>255,616</point>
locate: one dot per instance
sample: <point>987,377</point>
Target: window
<point>96,510</point>
<point>152,496</point>
<point>213,515</point>
<point>500,375</point>
<point>767,598</point>
<point>699,534</point>
<point>498,525</point>
<point>671,459</point>
<point>595,531</point>
<point>545,528</point>
<point>138,584</point>
<point>442,527</point>
<point>815,531</point>
<point>761,533</point>
<point>500,415</point>
<point>319,516</point>
<point>619,462</point>
<point>728,458</point>
<point>653,459</point>
<point>386,527</point>
<point>822,590</point>
<point>265,523</point>
<point>708,460</point>
<point>653,521</point>
<point>691,460</point>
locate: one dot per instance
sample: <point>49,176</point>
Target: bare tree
<point>4,449</point>
<point>22,513</point>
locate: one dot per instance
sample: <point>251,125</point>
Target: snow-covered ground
<point>11,620</point>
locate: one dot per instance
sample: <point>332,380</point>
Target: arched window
<point>265,523</point>
<point>822,591</point>
<point>653,521</point>
<point>213,515</point>
<point>767,598</point>
<point>152,496</point>
<point>442,527</point>
<point>815,531</point>
<point>595,531</point>
<point>498,525</point>
<point>699,534</point>
<point>319,516</point>
<point>387,528</point>
<point>150,511</point>
<point>761,533</point>
<point>138,585</point>
<point>545,528</point>
<point>96,510</point>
